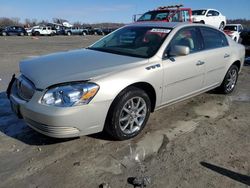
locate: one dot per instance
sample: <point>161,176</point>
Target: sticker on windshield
<point>160,30</point>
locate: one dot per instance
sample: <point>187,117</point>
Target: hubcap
<point>133,115</point>
<point>231,80</point>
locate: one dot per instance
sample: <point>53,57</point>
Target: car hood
<point>77,65</point>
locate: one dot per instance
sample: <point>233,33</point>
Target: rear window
<point>213,38</point>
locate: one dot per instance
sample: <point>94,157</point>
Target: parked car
<point>76,31</point>
<point>60,30</point>
<point>13,30</point>
<point>233,30</point>
<point>209,16</point>
<point>44,30</point>
<point>106,31</point>
<point>30,30</point>
<point>95,31</point>
<point>114,84</point>
<point>167,14</point>
<point>245,36</point>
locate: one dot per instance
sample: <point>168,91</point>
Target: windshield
<point>154,15</point>
<point>199,12</point>
<point>230,28</point>
<point>133,41</point>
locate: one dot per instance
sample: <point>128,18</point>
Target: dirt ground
<point>201,142</point>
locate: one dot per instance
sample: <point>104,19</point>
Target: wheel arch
<point>145,86</point>
<point>238,64</point>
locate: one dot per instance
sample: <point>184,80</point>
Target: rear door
<point>184,75</point>
<point>217,53</point>
<point>210,19</point>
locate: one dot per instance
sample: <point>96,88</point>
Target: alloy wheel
<point>133,115</point>
<point>231,80</point>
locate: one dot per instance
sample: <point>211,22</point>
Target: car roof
<point>160,24</point>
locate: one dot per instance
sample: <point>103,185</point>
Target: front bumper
<point>60,122</point>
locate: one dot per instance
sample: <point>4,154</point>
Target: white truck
<point>46,30</point>
<point>234,31</point>
<point>209,16</point>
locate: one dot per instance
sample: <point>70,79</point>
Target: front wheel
<point>129,114</point>
<point>4,34</point>
<point>230,80</point>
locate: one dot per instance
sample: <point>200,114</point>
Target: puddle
<point>213,109</point>
<point>242,97</point>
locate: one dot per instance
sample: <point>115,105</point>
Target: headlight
<point>73,94</point>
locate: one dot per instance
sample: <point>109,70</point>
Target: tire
<point>202,22</point>
<point>4,33</point>
<point>222,26</point>
<point>69,33</point>
<point>84,33</point>
<point>230,80</point>
<point>37,33</point>
<point>124,120</point>
<point>21,34</point>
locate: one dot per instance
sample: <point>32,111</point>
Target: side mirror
<point>209,14</point>
<point>179,50</point>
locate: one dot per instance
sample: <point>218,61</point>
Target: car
<point>233,30</point>
<point>245,36</point>
<point>13,30</point>
<point>76,31</point>
<point>106,31</point>
<point>175,13</point>
<point>209,16</point>
<point>30,30</point>
<point>96,31</point>
<point>43,30</point>
<point>114,84</point>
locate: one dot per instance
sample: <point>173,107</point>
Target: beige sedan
<point>116,83</point>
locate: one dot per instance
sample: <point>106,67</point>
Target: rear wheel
<point>69,33</point>
<point>84,33</point>
<point>21,34</point>
<point>230,80</point>
<point>129,114</point>
<point>4,34</point>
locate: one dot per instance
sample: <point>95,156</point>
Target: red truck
<point>167,14</point>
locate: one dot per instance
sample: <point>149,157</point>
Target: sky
<point>97,11</point>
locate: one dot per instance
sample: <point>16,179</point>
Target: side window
<point>161,16</point>
<point>215,13</point>
<point>189,37</point>
<point>213,38</point>
<point>185,16</point>
<point>210,13</point>
<point>44,28</point>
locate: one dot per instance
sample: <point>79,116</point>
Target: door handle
<point>226,55</point>
<point>199,63</point>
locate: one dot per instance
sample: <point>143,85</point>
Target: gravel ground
<point>201,142</point>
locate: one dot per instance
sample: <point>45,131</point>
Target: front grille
<point>25,88</point>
